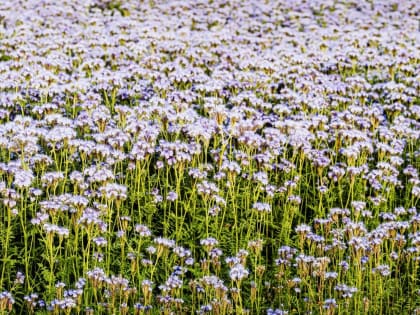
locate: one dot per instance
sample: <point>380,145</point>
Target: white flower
<point>238,272</point>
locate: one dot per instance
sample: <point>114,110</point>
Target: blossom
<point>262,207</point>
<point>23,179</point>
<point>238,272</point>
<point>114,191</point>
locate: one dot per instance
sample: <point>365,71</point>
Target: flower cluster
<point>144,145</point>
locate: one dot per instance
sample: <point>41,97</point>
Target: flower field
<point>209,157</point>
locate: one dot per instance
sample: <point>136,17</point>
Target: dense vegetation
<point>209,157</point>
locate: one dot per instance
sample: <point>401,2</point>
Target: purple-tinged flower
<point>238,272</point>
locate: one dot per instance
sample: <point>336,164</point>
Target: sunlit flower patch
<point>209,157</point>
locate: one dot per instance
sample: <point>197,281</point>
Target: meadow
<point>209,157</point>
